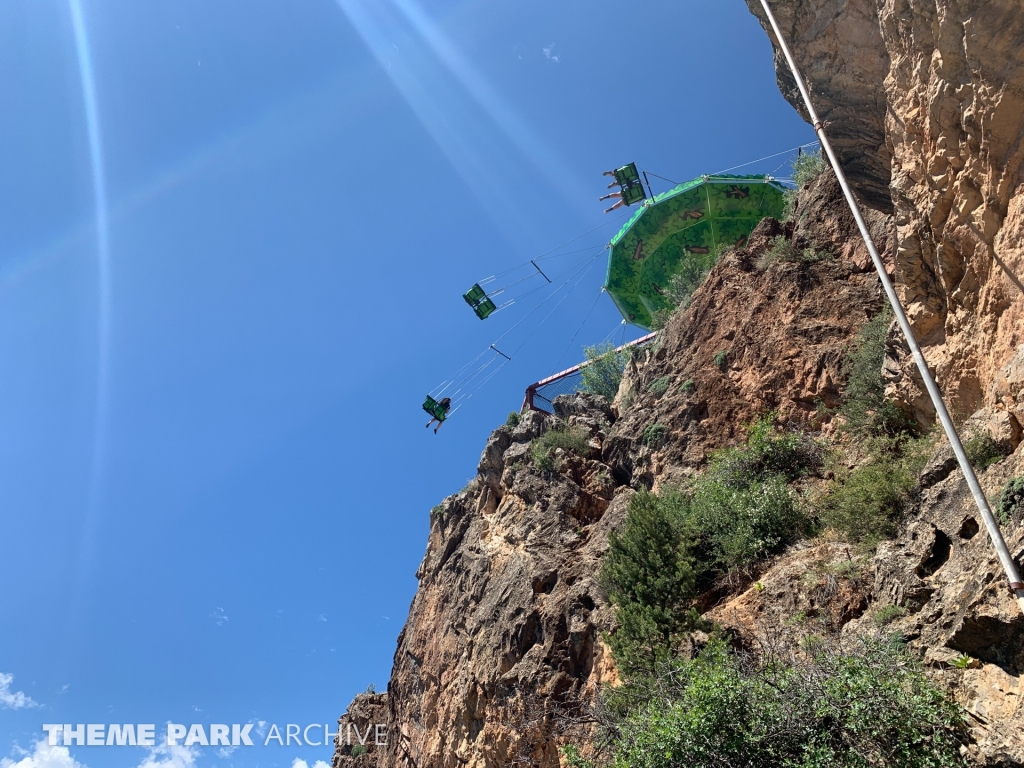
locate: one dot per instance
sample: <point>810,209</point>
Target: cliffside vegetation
<point>688,696</point>
<point>863,703</point>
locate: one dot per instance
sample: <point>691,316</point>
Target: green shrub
<point>359,749</point>
<point>660,318</point>
<point>571,439</point>
<point>865,505</point>
<point>807,167</point>
<point>721,360</point>
<point>983,451</point>
<point>865,408</point>
<point>636,351</point>
<point>790,199</point>
<point>782,249</point>
<point>767,452</point>
<point>513,420</point>
<point>738,526</point>
<point>888,614</point>
<point>649,576</point>
<point>603,373</point>
<point>846,569</point>
<point>693,270</point>
<point>659,386</point>
<point>963,661</point>
<point>687,387</point>
<point>654,435</point>
<point>866,704</point>
<point>627,401</point>
<point>1011,502</point>
<point>739,511</point>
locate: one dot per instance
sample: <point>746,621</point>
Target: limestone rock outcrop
<point>925,102</point>
<point>503,638</point>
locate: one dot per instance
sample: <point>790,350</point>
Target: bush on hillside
<point>767,452</point>
<point>659,386</point>
<point>603,373</point>
<point>650,576</point>
<point>983,451</point>
<point>807,167</point>
<point>571,439</point>
<point>693,270</point>
<point>782,249</point>
<point>738,526</point>
<point>654,435</point>
<point>865,408</point>
<point>866,704</point>
<point>739,511</point>
<point>1011,502</point>
<point>866,504</point>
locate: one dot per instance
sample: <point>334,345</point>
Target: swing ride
<point>684,225</point>
<point>481,300</point>
<point>684,228</point>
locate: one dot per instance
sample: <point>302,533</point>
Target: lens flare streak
<point>92,122</point>
<point>422,72</point>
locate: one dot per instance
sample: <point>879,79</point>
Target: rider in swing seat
<point>446,404</point>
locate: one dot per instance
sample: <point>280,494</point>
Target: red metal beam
<point>531,390</point>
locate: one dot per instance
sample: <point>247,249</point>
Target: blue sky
<point>233,239</point>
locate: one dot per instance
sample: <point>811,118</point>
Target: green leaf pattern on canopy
<point>685,223</point>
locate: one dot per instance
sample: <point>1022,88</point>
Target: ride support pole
<point>1005,558</point>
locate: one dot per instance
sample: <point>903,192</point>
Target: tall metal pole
<point>1009,567</point>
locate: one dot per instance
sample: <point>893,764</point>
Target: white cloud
<point>219,616</point>
<point>166,757</point>
<point>13,699</point>
<point>297,763</point>
<point>43,756</point>
<point>548,52</point>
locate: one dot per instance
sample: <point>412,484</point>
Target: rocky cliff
<point>925,102</point>
<point>503,649</point>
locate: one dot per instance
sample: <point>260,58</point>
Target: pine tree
<point>649,575</point>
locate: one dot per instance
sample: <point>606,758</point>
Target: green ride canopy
<point>685,223</point>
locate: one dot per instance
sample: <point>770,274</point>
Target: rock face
<point>755,338</point>
<point>839,46</point>
<point>925,100</point>
<point>503,638</point>
<point>943,571</point>
<point>362,731</point>
<point>502,651</point>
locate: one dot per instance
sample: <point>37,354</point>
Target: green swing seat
<point>628,178</point>
<point>633,194</point>
<point>479,302</point>
<point>434,408</point>
<point>627,175</point>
